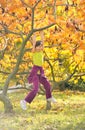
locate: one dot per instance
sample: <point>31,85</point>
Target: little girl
<point>37,74</point>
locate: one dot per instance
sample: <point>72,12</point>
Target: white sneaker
<point>23,104</point>
<point>52,99</point>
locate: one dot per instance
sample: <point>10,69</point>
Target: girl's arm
<point>42,37</point>
<point>34,42</point>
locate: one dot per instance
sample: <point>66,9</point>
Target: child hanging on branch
<point>37,74</point>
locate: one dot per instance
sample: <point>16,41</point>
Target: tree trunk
<point>48,105</point>
<point>3,97</point>
<point>7,104</point>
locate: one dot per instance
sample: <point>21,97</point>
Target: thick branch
<point>32,25</point>
<point>52,71</point>
<point>6,30</point>
<point>43,28</point>
<point>69,77</point>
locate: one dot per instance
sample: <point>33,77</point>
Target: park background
<point>63,24</point>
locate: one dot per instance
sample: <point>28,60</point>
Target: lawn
<point>67,114</point>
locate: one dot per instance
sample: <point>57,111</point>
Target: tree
<point>6,25</point>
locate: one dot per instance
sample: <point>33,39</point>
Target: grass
<point>67,114</point>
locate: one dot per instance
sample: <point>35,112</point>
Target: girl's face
<point>39,48</point>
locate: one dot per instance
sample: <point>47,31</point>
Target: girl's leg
<point>34,91</point>
<point>32,74</point>
<point>46,84</point>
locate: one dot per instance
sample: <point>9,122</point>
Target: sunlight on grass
<point>67,114</point>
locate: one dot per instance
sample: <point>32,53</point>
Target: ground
<point>67,114</point>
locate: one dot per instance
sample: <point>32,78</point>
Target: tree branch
<point>36,3</point>
<point>69,77</point>
<point>26,4</point>
<point>5,44</point>
<point>43,28</point>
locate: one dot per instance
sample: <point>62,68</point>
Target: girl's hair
<point>38,43</point>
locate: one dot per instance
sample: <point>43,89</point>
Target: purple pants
<point>37,79</point>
